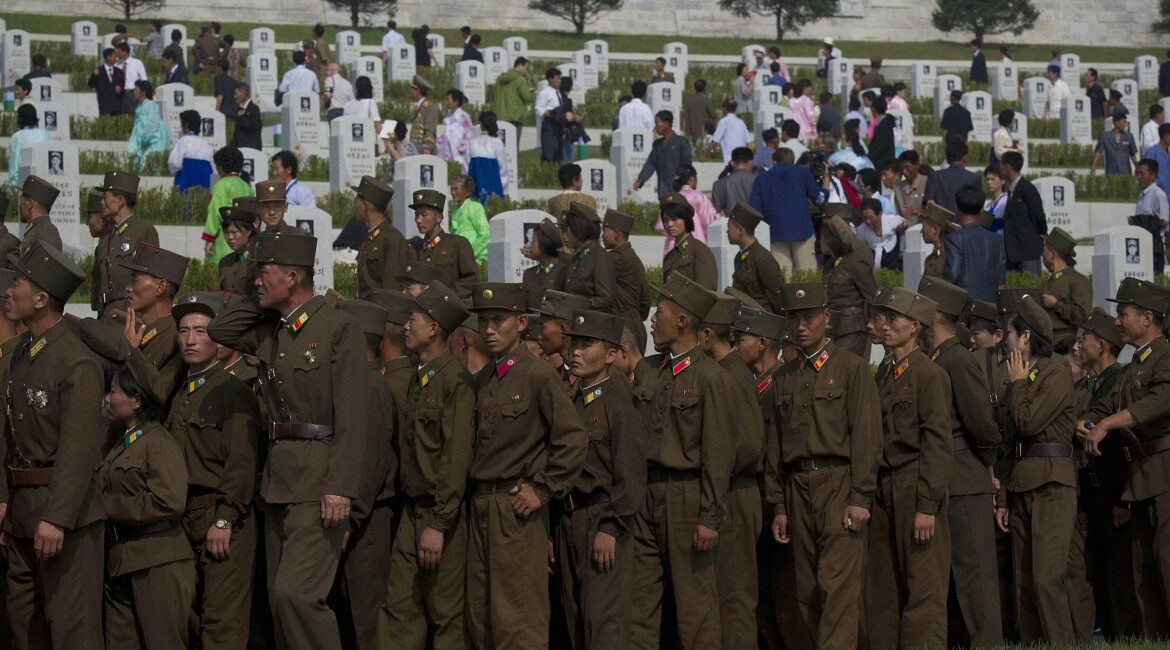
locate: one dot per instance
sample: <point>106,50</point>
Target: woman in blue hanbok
<point>29,134</point>
<point>150,131</point>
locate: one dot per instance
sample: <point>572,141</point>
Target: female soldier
<point>590,272</point>
<point>551,265</point>
<point>690,257</point>
<point>237,271</point>
<point>848,272</point>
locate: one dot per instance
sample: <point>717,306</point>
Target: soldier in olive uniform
<point>689,473</point>
<point>937,221</point>
<point>756,272</point>
<point>531,445</point>
<point>848,273</point>
<point>384,252</point>
<point>551,266</point>
<point>425,118</point>
<point>690,257</point>
<point>156,276</point>
<point>9,339</point>
<point>976,438</point>
<point>469,348</point>
<point>9,243</point>
<point>272,206</point>
<point>556,313</point>
<point>415,277</point>
<point>590,272</point>
<point>110,279</point>
<point>37,197</point>
<point>237,271</point>
<point>311,358</point>
<point>1067,295</point>
<point>54,436</point>
<point>829,421</point>
<point>631,290</point>
<point>450,254</point>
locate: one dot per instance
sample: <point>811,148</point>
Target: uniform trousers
<point>150,608</point>
<point>1150,528</point>
<point>223,589</point>
<point>1041,525</point>
<point>974,580</point>
<point>597,605</point>
<point>365,567</point>
<point>736,567</point>
<point>303,555</point>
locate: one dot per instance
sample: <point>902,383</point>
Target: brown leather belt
<point>960,443</point>
<point>814,463</point>
<point>659,474</point>
<point>493,488</point>
<point>1044,450</point>
<point>300,431</point>
<point>577,500</point>
<point>29,477</point>
<point>122,533</point>
<point>1147,449</point>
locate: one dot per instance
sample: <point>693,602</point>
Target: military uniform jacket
<point>766,397</point>
<point>285,228</point>
<point>143,482</point>
<point>40,229</point>
<point>688,422</point>
<point>916,418</point>
<point>240,369</point>
<point>1143,390</point>
<point>1074,301</point>
<point>452,257</point>
<point>527,427</point>
<point>110,278</point>
<point>937,260</point>
<point>641,379</point>
<point>591,274</point>
<point>311,361</point>
<point>827,406</point>
<point>694,260</point>
<point>1041,409</point>
<point>631,291</point>
<point>383,255</point>
<point>749,433</point>
<point>1104,476</point>
<point>972,422</point>
<point>160,345</point>
<point>439,438</point>
<point>758,275</point>
<point>851,288</point>
<point>215,419</point>
<point>9,244</point>
<point>237,273</point>
<point>423,123</point>
<point>380,454</point>
<point>615,460</point>
<point>397,373</point>
<point>54,419</point>
<point>541,277</point>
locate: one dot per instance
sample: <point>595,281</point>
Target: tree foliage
<point>578,12</point>
<point>359,8</point>
<point>1162,25</point>
<point>982,17</point>
<point>131,8</point>
<point>790,15</point>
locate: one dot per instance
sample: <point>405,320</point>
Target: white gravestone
<point>416,173</point>
<point>676,55</point>
<point>255,163</point>
<point>944,84</point>
<point>766,96</point>
<point>517,46</point>
<point>437,45</point>
<point>978,102</point>
<point>44,90</point>
<point>261,40</point>
<point>56,162</point>
<point>351,152</point>
<point>85,38</point>
<point>1129,96</point>
<point>1019,131</point>
<point>1118,253</point>
<point>914,257</point>
<point>348,47</point>
<point>599,180</point>
<point>587,63</point>
<point>747,54</point>
<point>371,67</point>
<point>1145,70</point>
<point>922,80</point>
<point>725,252</point>
<point>1005,81</point>
<point>1070,69</point>
<point>1035,97</point>
<point>495,60</point>
<point>300,120</point>
<point>600,50</point>
<point>665,96</point>
<point>509,232</point>
<point>1076,121</point>
<point>173,99</point>
<point>168,28</point>
<point>14,53</point>
<point>318,223</point>
<point>507,135</point>
<point>577,93</point>
<point>54,118</point>
<point>628,154</point>
<point>1059,195</point>
<point>771,116</point>
<point>263,81</point>
<point>840,75</point>
<point>402,64</point>
<point>471,78</point>
<point>213,129</point>
<point>904,124</point>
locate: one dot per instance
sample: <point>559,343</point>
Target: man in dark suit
<point>881,147</point>
<point>944,183</point>
<point>1024,221</point>
<point>978,63</point>
<point>471,50</point>
<point>174,71</point>
<point>1164,77</point>
<point>248,124</point>
<point>975,259</point>
<point>108,81</point>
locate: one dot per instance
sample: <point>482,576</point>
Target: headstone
<point>495,60</point>
<point>665,96</point>
<point>914,256</point>
<point>1118,253</point>
<point>261,39</point>
<point>1005,81</point>
<point>978,102</point>
<point>213,129</point>
<point>318,223</point>
<point>166,34</point>
<point>85,38</point>
<point>628,154</point>
<point>173,99</point>
<point>599,180</point>
<point>45,89</point>
<point>262,80</point>
<point>840,75</point>
<point>517,46</point>
<point>507,134</point>
<point>1035,97</point>
<point>437,45</point>
<point>14,53</point>
<point>255,163</point>
<point>471,78</point>
<point>1145,70</point>
<point>415,173</point>
<point>300,121</point>
<point>509,232</point>
<point>402,64</point>
<point>600,50</point>
<point>572,71</point>
<point>677,54</point>
<point>351,152</point>
<point>725,252</point>
<point>904,125</point>
<point>56,162</point>
<point>766,96</point>
<point>1129,96</point>
<point>1070,69</point>
<point>944,84</point>
<point>1059,195</point>
<point>1075,121</point>
<point>586,62</point>
<point>922,79</point>
<point>747,54</point>
<point>1019,131</point>
<point>771,116</point>
<point>371,67</point>
<point>54,118</point>
<point>348,47</point>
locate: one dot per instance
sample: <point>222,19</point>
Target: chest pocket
<point>308,360</point>
<point>121,247</point>
<point>685,411</point>
<point>426,427</point>
<point>898,410</point>
<point>514,410</point>
<point>128,471</point>
<point>597,428</point>
<point>830,408</point>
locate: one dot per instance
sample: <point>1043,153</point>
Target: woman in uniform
<point>544,248</point>
<point>237,271</point>
<point>590,272</point>
<point>848,272</point>
<point>690,257</point>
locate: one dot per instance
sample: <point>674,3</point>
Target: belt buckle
<point>1019,450</point>
<point>569,503</point>
<point>810,465</point>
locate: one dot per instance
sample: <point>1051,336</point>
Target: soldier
<point>272,207</point>
<point>428,559</point>
<point>848,273</point>
<point>469,348</point>
<point>556,313</point>
<point>415,277</point>
<point>690,257</point>
<point>756,272</point>
<point>937,221</point>
<point>1140,408</point>
<point>1041,485</point>
<point>156,276</point>
<point>594,539</point>
<point>237,270</point>
<point>110,279</point>
<point>384,253</point>
<point>425,118</point>
<point>450,254</point>
<point>55,432</point>
<point>976,440</point>
<point>689,471</point>
<point>829,420</point>
<point>551,265</point>
<point>36,200</point>
<point>982,323</point>
<point>9,339</point>
<point>1068,295</point>
<point>216,421</point>
<point>590,272</point>
<point>631,291</point>
<point>395,363</point>
<point>311,359</point>
<point>9,243</point>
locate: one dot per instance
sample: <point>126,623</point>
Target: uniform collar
<point>590,394</point>
<point>502,366</point>
<point>195,381</point>
<point>943,347</point>
<point>157,329</point>
<point>819,358</point>
<point>427,373</point>
<point>678,364</point>
<point>297,318</point>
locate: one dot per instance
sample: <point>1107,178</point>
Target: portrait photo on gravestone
<point>305,225</point>
<point>1133,253</point>
<point>638,143</point>
<point>50,120</point>
<point>427,176</point>
<point>597,180</point>
<point>306,104</point>
<point>264,64</point>
<point>46,93</point>
<point>1058,196</point>
<point>179,98</point>
<point>208,130</point>
<point>56,163</point>
<point>357,131</point>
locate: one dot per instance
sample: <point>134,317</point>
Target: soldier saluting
<point>119,194</point>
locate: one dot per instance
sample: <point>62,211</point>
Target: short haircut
<point>1164,130</point>
<point>770,135</point>
<point>729,105</point>
<point>894,167</point>
<point>1115,94</point>
<point>476,39</point>
<point>467,183</point>
<point>363,88</point>
<point>665,116</point>
<point>871,179</point>
<point>878,105</point>
<point>826,97</point>
<point>1006,117</point>
<point>700,85</point>
<point>123,46</point>
<point>24,84</point>
<point>583,230</point>
<point>956,150</point>
<point>318,30</point>
<point>520,60</point>
<point>661,60</point>
<point>229,159</point>
<point>791,128</point>
<point>146,87</point>
<point>970,199</point>
<point>391,24</point>
<point>909,156</point>
<point>551,73</point>
<point>784,156</point>
<point>1092,73</point>
<point>638,89</point>
<point>1150,164</point>
<point>741,155</point>
<point>899,87</point>
<point>1155,110</point>
<point>39,61</point>
<point>223,64</point>
<point>176,36</point>
<point>956,94</point>
<point>244,88</point>
<point>1119,116</point>
<point>1054,69</point>
<point>170,56</point>
<point>1012,159</point>
<point>288,160</point>
<point>107,52</point>
<point>191,121</point>
<point>873,205</point>
<point>568,174</point>
<point>298,57</point>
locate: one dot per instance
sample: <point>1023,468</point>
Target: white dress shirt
<point>636,114</point>
<point>390,39</point>
<point>731,133</point>
<point>1149,135</point>
<point>1058,94</point>
<point>299,80</point>
<point>189,146</point>
<point>134,70</point>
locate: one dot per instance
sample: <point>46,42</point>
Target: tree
<point>578,12</point>
<point>1162,26</point>
<point>790,15</point>
<point>982,17</point>
<point>358,8</point>
<point>131,8</point>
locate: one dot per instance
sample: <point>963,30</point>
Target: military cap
<point>440,303</point>
<point>951,299</point>
<point>471,323</point>
<point>804,295</point>
<point>1141,293</point>
<point>561,305</point>
<point>270,191</point>
<point>508,296</point>
<point>396,303</point>
<point>158,262</point>
<point>421,84</point>
<point>687,294</point>
<point>742,297</point>
<point>618,221</point>
<point>840,229</point>
<point>210,303</point>
<point>940,216</point>
<point>746,216</point>
<point>7,277</point>
<point>1035,317</point>
<point>1007,301</point>
<point>248,203</point>
<point>428,199</point>
<point>910,304</point>
<point>375,191</point>
<point>676,204</point>
<point>108,341</point>
<point>290,250</point>
<point>758,322</point>
<point>1061,242</point>
<point>119,182</point>
<point>1105,327</point>
<point>418,272</point>
<point>93,203</point>
<point>589,324</point>
<point>723,312</point>
<point>842,210</point>
<point>550,230</point>
<point>50,269</point>
<point>240,215</point>
<point>370,316</point>
<point>39,190</point>
<point>581,211</point>
<point>983,310</point>
<point>532,332</point>
<point>308,44</point>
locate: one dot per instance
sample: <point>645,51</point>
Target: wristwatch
<point>223,524</point>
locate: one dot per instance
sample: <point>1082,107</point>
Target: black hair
<point>854,103</point>
<point>119,28</point>
<point>1012,159</point>
<point>170,56</point>
<point>1164,130</point>
<point>887,91</point>
<point>873,205</point>
<point>894,167</point>
<point>638,89</point>
<point>229,39</point>
<point>318,30</point>
<point>298,57</point>
<point>1006,117</point>
<point>976,323</point>
<point>545,244</point>
<point>1115,94</point>
<point>190,120</point>
<point>661,60</point>
<point>730,105</point>
<point>489,123</point>
<point>458,96</point>
<point>1155,110</point>
<point>826,97</point>
<point>149,410</point>
<point>791,128</point>
<point>853,139</point>
<point>993,169</point>
<point>970,199</point>
<point>39,61</point>
<point>1054,69</point>
<point>229,159</point>
<point>583,230</point>
<point>551,73</point>
<point>363,88</point>
<point>25,84</point>
<point>871,179</point>
<point>878,105</point>
<point>1150,164</point>
<point>770,135</point>
<point>783,156</point>
<point>741,155</point>
<point>909,156</point>
<point>568,174</point>
<point>956,150</point>
<point>672,211</point>
<point>26,116</point>
<point>156,23</point>
<point>666,116</point>
<point>740,66</point>
<point>899,87</point>
<point>683,175</point>
<point>289,161</point>
<point>847,170</point>
<point>147,88</point>
<point>391,24</point>
<point>176,36</point>
<point>721,332</point>
<point>520,60</point>
<point>1037,346</point>
<point>122,47</point>
<point>224,65</point>
<point>700,85</point>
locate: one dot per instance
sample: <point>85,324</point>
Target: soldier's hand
<point>430,548</point>
<point>1001,518</point>
<point>132,331</point>
<point>923,528</point>
<point>604,551</point>
<point>345,540</point>
<point>780,529</point>
<point>1015,365</point>
<point>524,500</point>
<point>705,538</point>
<point>1048,299</point>
<point>48,541</point>
<point>334,509</point>
<point>1094,438</point>
<point>218,543</point>
<point>1121,516</point>
<point>854,518</point>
